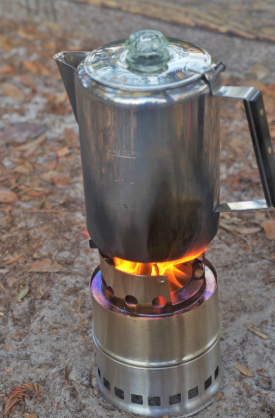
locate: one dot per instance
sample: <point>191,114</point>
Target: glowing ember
<point>175,270</point>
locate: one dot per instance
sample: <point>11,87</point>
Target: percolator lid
<point>147,61</point>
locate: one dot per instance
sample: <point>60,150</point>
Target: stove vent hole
<point>159,302</point>
<point>106,384</point>
<point>192,393</point>
<point>174,399</point>
<point>119,393</point>
<point>131,302</point>
<point>217,372</point>
<point>138,399</point>
<point>99,374</point>
<point>154,401</point>
<point>208,383</point>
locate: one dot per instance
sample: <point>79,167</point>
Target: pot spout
<point>67,63</point>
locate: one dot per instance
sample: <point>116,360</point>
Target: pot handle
<point>255,113</point>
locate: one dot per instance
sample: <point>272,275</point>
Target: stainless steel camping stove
<point>158,351</point>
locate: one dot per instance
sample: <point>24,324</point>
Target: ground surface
<point>46,338</point>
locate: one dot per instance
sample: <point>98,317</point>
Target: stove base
<point>183,389</point>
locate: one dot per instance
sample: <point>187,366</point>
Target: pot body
<point>150,168</point>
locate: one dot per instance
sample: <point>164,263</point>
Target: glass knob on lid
<point>147,51</point>
<point>146,61</point>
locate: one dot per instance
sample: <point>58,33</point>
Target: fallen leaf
<point>45,265</point>
<point>16,336</point>
<point>13,92</point>
<point>269,227</point>
<point>235,384</point>
<point>19,133</point>
<point>62,152</point>
<point>51,166</point>
<point>34,193</point>
<point>26,35</point>
<point>30,416</point>
<point>5,290</point>
<point>49,45</point>
<point>22,169</point>
<point>6,69</point>
<point>13,259</point>
<point>256,331</point>
<point>61,180</point>
<point>49,175</point>
<point>62,97</point>
<point>23,391</point>
<point>219,396</point>
<point>22,293</point>
<point>247,231</point>
<point>33,144</point>
<point>244,370</point>
<point>7,196</point>
<point>42,69</point>
<point>31,67</point>
<point>69,135</point>
<point>25,79</point>
<point>226,227</point>
<point>260,71</point>
<point>5,43</point>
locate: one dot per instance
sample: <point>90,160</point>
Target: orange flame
<point>172,269</point>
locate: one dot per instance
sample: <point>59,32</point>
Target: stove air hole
<point>199,273</point>
<point>110,291</point>
<point>174,399</point>
<point>138,399</point>
<point>99,374</point>
<point>159,302</point>
<point>119,393</point>
<point>132,303</point>
<point>208,383</point>
<point>217,372</point>
<point>106,384</point>
<point>154,401</point>
<point>192,393</point>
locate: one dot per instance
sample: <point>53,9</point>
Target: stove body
<point>158,352</point>
<point>148,115</point>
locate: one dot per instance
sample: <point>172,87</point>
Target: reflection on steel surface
<point>238,206</point>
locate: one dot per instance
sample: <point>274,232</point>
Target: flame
<point>174,270</point>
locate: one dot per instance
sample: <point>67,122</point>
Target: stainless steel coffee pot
<point>148,116</point>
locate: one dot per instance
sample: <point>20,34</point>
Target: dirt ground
<point>46,338</point>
